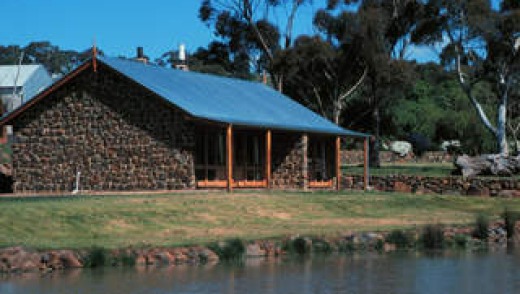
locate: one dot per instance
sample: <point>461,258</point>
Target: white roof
<point>8,74</point>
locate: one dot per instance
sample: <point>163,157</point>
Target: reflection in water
<point>453,272</point>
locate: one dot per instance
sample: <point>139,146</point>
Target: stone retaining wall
<point>437,185</point>
<point>117,134</point>
<point>350,157</point>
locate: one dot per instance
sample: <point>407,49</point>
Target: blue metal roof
<point>226,100</point>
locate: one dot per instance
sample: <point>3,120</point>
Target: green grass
<point>198,218</point>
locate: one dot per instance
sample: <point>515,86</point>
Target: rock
<point>54,261</point>
<point>509,193</point>
<point>402,148</point>
<point>164,258</point>
<point>489,164</point>
<point>388,247</point>
<point>402,187</point>
<point>140,259</point>
<point>477,191</point>
<point>17,259</point>
<point>254,250</point>
<point>207,255</point>
<point>70,260</point>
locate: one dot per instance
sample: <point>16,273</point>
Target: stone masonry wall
<point>116,133</point>
<point>453,185</point>
<point>356,157</point>
<point>289,164</point>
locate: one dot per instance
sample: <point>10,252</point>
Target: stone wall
<point>289,161</point>
<point>116,133</point>
<point>351,157</point>
<point>505,187</point>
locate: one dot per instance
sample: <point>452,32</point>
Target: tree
<point>383,28</point>
<point>55,60</point>
<point>316,74</point>
<point>253,29</point>
<point>437,108</point>
<point>481,45</point>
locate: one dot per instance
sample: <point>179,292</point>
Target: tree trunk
<point>374,144</point>
<point>501,126</point>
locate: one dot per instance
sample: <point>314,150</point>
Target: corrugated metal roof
<point>8,74</point>
<point>226,100</point>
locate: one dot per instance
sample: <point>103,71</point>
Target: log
<point>488,164</point>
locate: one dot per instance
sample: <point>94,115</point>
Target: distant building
<point>24,81</point>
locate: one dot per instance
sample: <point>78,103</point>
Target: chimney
<point>140,55</point>
<point>182,62</point>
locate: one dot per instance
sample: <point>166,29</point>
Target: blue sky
<point>119,26</point>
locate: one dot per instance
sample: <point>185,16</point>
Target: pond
<point>447,272</point>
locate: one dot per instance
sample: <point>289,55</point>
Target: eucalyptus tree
<point>254,30</point>
<point>480,44</point>
<point>382,29</point>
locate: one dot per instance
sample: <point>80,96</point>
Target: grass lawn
<point>197,218</point>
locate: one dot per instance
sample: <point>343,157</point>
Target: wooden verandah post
<point>338,163</point>
<point>365,164</point>
<point>229,157</point>
<point>268,142</point>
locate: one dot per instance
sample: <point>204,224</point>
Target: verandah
<point>243,158</point>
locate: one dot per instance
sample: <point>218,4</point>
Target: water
<point>453,272</point>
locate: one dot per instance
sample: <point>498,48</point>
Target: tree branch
<point>356,85</point>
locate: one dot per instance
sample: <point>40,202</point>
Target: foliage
<point>480,45</point>
<point>510,219</point>
<point>232,249</point>
<point>314,71</point>
<point>298,245</point>
<point>55,59</point>
<point>438,109</point>
<point>481,227</point>
<point>321,246</point>
<point>400,239</point>
<point>460,240</point>
<point>96,257</point>
<point>419,143</point>
<point>253,30</point>
<point>432,237</point>
<point>127,259</point>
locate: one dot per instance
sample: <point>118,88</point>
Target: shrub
<point>127,259</point>
<point>460,240</point>
<point>433,237</point>
<point>322,246</point>
<point>400,239</point>
<point>510,219</point>
<point>232,249</point>
<point>481,227</point>
<point>346,246</point>
<point>420,143</point>
<point>300,245</point>
<point>380,245</point>
<point>97,257</point>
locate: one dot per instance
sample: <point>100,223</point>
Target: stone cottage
<point>122,125</point>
